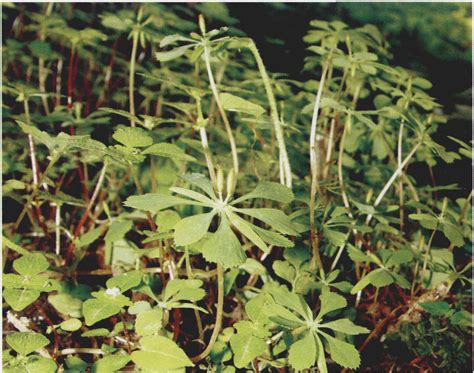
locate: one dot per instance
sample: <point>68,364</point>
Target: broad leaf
<point>26,342</point>
<point>160,352</point>
<point>191,229</point>
<point>302,353</point>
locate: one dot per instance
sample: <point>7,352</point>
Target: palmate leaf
<point>302,353</point>
<point>342,353</point>
<point>330,302</point>
<point>125,281</point>
<point>191,229</point>
<point>154,202</point>
<point>246,347</point>
<point>223,247</point>
<point>268,190</point>
<point>276,219</point>
<point>160,352</point>
<point>345,326</point>
<point>247,230</point>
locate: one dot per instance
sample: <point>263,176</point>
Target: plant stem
<point>285,163</point>
<point>215,92</point>
<point>189,273</point>
<point>57,222</point>
<point>131,77</point>
<point>54,159</point>
<point>31,145</point>
<point>220,309</point>
<point>392,179</point>
<point>314,175</point>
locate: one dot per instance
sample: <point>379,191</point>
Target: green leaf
<point>180,289</point>
<point>103,307</point>
<point>284,270</point>
<point>117,231</point>
<point>154,202</point>
<point>276,219</point>
<point>149,322</point>
<point>71,325</point>
<point>169,151</point>
<point>427,221</point>
<point>111,363</point>
<point>31,264</point>
<point>330,302</point>
<point>26,342</point>
<point>461,318</point>
<point>99,332</point>
<point>302,353</point>
<point>246,347</point>
<point>18,299</point>
<point>224,247</point>
<point>322,366</point>
<point>172,54</point>
<point>454,234</point>
<point>125,281</point>
<point>191,229</point>
<point>345,326</point>
<point>269,190</point>
<point>132,137</point>
<point>379,278</point>
<point>400,257</point>
<point>235,103</point>
<point>160,352</point>
<point>246,229</point>
<point>436,308</point>
<point>37,364</point>
<point>66,304</point>
<point>342,353</point>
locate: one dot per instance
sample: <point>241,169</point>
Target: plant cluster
<point>172,206</point>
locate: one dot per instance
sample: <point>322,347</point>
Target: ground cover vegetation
<point>171,205</point>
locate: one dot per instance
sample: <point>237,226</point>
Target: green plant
<point>175,226</point>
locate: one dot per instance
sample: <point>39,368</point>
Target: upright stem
<point>220,310</point>
<point>207,155</point>
<point>392,179</point>
<point>400,182</point>
<point>285,163</point>
<point>314,174</point>
<point>131,78</point>
<point>81,223</point>
<point>215,92</point>
<point>57,222</point>
<point>339,171</point>
<point>34,169</point>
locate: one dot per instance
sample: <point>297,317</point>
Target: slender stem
<point>131,77</point>
<point>285,163</point>
<point>70,351</point>
<point>207,155</point>
<point>189,273</point>
<point>345,199</point>
<point>57,223</point>
<point>329,147</point>
<point>314,175</point>
<point>34,169</point>
<point>220,309</point>
<point>400,182</point>
<point>59,70</point>
<point>215,93</point>
<point>54,159</point>
<point>392,179</point>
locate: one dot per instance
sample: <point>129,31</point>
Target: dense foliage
<point>171,205</point>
